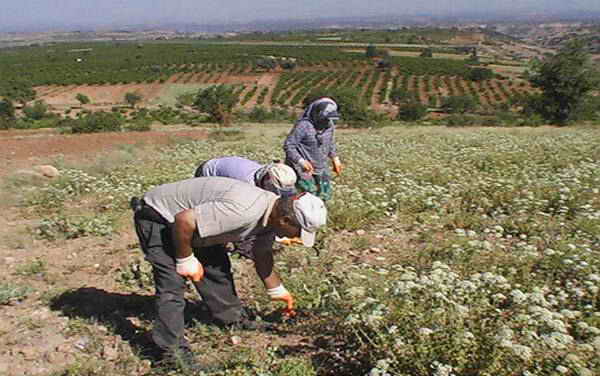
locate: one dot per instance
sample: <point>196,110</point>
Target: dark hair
<point>198,172</point>
<point>286,207</point>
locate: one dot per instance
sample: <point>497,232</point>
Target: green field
<point>464,252</point>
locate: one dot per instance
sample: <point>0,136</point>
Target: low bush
<point>6,123</point>
<point>36,111</point>
<point>459,104</point>
<point>412,111</point>
<point>460,120</point>
<point>10,293</point>
<point>95,122</point>
<point>226,134</point>
<point>166,115</point>
<point>61,227</point>
<point>7,109</point>
<point>52,121</point>
<point>480,74</point>
<point>260,114</point>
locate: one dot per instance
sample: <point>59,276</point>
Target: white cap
<point>311,214</point>
<point>282,178</point>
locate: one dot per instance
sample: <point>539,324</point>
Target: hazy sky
<point>39,13</point>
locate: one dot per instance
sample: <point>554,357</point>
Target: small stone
<point>47,171</point>
<point>28,352</point>
<point>64,348</point>
<point>144,367</point>
<point>360,232</point>
<point>236,340</point>
<point>55,357</point>
<point>109,352</point>
<point>82,343</point>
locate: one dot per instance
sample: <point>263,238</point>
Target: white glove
<point>306,166</point>
<point>190,267</point>
<point>280,293</point>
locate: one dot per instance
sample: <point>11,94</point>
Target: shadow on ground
<point>116,310</point>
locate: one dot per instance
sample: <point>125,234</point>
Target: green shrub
<point>226,134</point>
<point>96,122</point>
<point>37,111</point>
<point>218,102</point>
<point>140,125</point>
<point>533,120</point>
<point>412,111</point>
<point>6,123</point>
<point>480,74</point>
<point>10,293</point>
<point>459,104</point>
<point>166,115</point>
<point>371,51</point>
<point>460,120</point>
<point>399,95</point>
<point>7,109</point>
<point>258,114</point>
<point>52,121</point>
<point>34,267</point>
<point>61,227</point>
<point>132,98</point>
<point>186,99</point>
<point>426,52</point>
<point>82,98</point>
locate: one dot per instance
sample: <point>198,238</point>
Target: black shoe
<point>248,320</point>
<point>182,359</point>
<point>247,324</point>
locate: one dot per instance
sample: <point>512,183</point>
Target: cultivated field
<point>447,252</point>
<point>276,75</point>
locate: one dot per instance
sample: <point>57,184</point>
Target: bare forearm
<point>264,265</point>
<point>183,232</point>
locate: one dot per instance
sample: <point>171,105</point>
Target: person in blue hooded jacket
<point>310,146</point>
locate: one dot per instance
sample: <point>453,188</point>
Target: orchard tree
<point>82,98</point>
<point>7,109</point>
<point>7,114</point>
<point>480,74</point>
<point>371,51</point>
<point>217,101</point>
<point>398,95</point>
<point>133,98</point>
<point>37,111</point>
<point>427,52</point>
<point>411,111</point>
<point>565,80</point>
<point>459,104</point>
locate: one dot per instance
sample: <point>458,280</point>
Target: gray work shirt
<point>227,210</point>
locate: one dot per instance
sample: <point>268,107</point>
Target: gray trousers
<point>217,288</point>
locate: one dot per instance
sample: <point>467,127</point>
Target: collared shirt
<point>227,210</point>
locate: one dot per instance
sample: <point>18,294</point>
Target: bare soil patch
<point>20,149</point>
